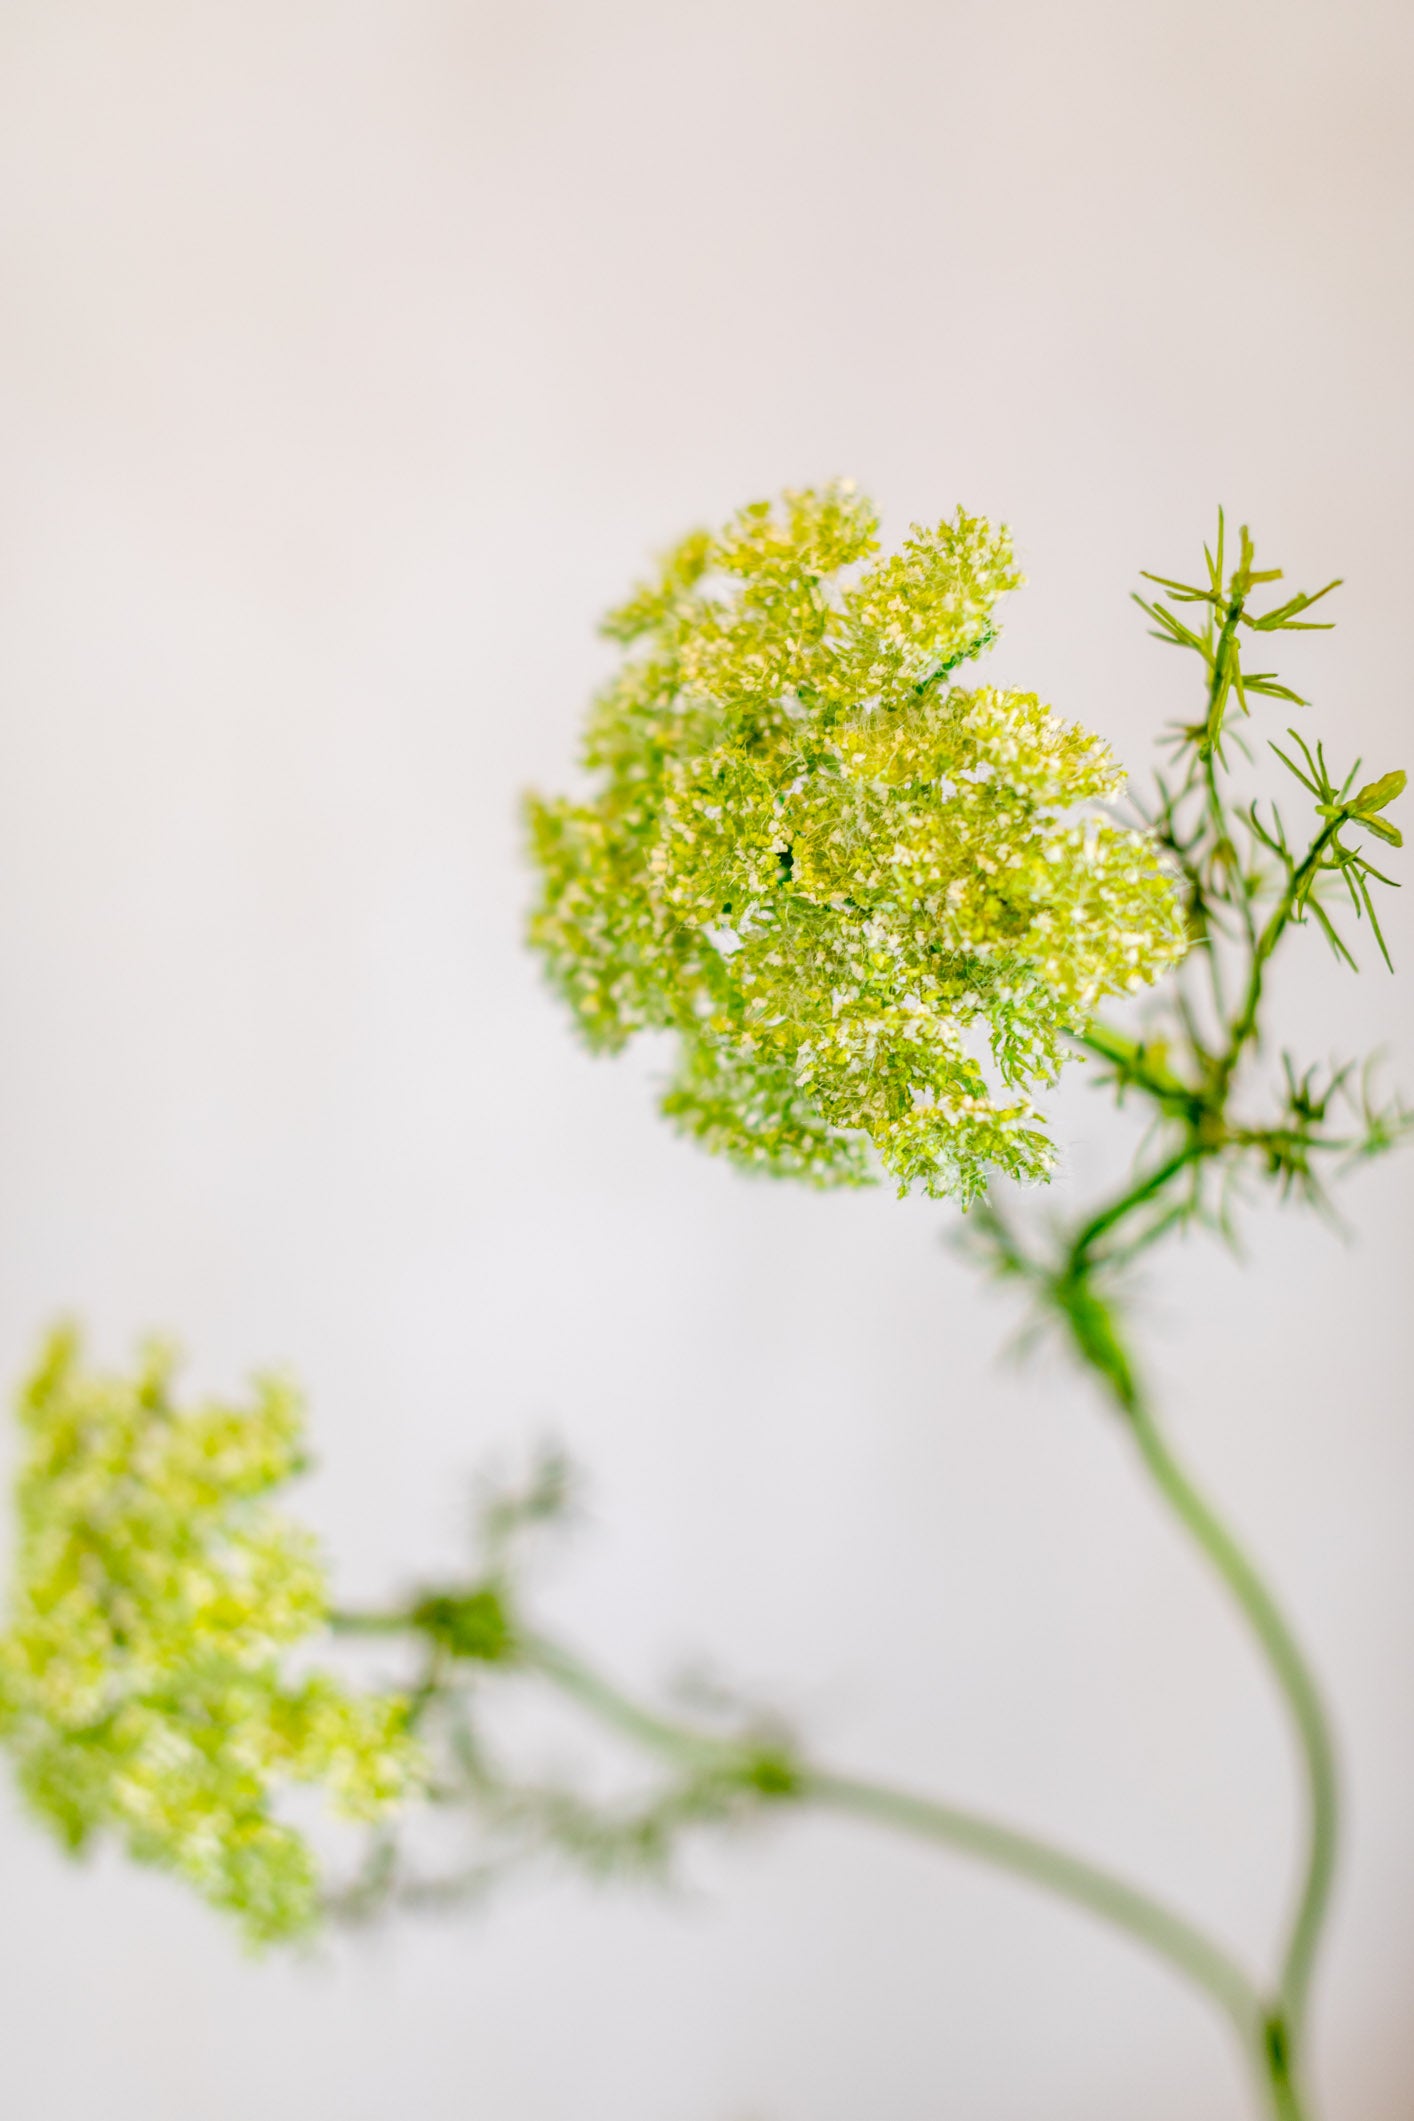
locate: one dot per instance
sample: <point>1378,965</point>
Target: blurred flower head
<point>157,1595</point>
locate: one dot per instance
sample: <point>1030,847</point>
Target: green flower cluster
<point>836,875</point>
<point>141,1681</point>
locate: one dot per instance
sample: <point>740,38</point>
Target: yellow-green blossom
<point>840,878</point>
<point>156,1596</point>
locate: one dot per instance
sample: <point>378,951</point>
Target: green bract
<point>829,869</point>
<point>141,1686</point>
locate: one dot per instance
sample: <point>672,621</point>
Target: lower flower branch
<point>762,1769</point>
<point>1265,2029</point>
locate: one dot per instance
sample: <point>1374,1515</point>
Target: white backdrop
<point>355,356</point>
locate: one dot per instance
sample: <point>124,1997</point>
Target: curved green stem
<point>1053,1870</point>
<point>1298,1686</point>
<point>1100,1344</point>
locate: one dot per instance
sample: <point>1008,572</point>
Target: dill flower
<point>141,1682</point>
<point>870,902</point>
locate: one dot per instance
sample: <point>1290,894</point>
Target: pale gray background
<point>354,356</point>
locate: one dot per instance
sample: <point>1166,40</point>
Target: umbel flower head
<point>157,1594</point>
<point>869,901</point>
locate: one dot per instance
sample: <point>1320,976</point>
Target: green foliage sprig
<point>1246,887</point>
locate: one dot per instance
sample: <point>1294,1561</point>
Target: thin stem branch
<point>345,1620</point>
<point>1245,1024</point>
<point>616,1709</point>
<point>1146,1188</point>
